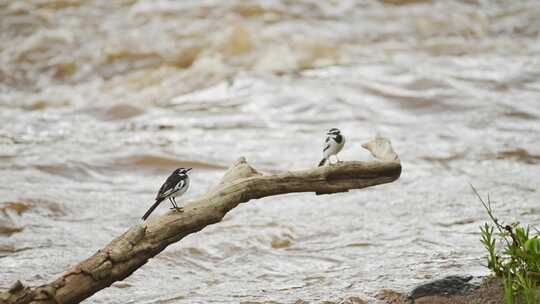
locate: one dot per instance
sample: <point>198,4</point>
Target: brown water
<point>100,100</point>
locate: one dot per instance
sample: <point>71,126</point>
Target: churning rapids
<point>100,100</point>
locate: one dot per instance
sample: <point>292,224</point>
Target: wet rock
<point>448,286</point>
<point>490,291</point>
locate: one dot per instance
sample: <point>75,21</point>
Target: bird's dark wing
<point>327,143</point>
<point>179,186</point>
<point>169,186</point>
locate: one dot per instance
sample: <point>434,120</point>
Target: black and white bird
<point>175,185</point>
<point>332,145</point>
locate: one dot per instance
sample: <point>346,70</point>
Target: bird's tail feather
<point>323,161</point>
<point>154,206</point>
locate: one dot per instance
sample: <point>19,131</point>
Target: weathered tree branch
<point>241,183</point>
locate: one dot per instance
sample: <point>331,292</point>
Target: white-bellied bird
<point>332,145</point>
<point>175,185</point>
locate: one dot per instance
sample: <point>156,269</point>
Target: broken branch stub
<point>241,183</point>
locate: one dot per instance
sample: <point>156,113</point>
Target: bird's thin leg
<point>172,203</point>
<point>179,209</point>
<point>337,159</point>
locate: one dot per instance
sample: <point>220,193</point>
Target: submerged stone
<point>448,286</point>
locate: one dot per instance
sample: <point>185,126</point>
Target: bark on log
<point>241,183</point>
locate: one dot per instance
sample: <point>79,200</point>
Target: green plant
<point>517,258</point>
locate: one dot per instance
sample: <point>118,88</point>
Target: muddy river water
<point>100,100</point>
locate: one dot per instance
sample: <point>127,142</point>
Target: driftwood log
<point>241,183</point>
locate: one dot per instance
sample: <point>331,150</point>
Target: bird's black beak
<point>188,169</point>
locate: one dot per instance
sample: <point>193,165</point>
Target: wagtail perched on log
<point>332,145</point>
<point>175,185</point>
